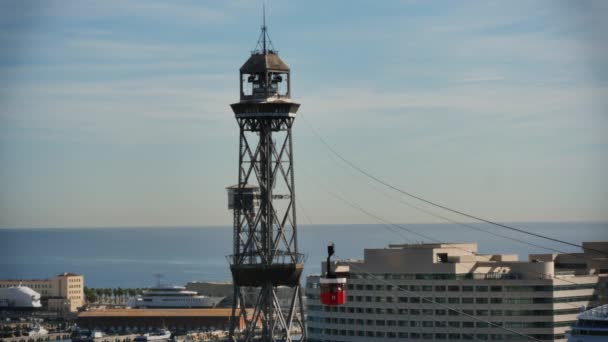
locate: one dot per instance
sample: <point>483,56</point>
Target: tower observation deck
<point>265,247</point>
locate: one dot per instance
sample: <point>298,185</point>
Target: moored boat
<point>161,335</point>
<point>172,297</point>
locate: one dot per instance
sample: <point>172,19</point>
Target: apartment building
<point>449,292</point>
<point>64,292</point>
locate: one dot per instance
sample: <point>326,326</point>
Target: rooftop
<point>215,312</point>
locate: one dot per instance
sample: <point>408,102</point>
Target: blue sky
<point>116,113</point>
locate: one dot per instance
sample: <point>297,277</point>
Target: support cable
<point>390,224</point>
<point>435,204</point>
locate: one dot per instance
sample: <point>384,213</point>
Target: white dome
<point>19,297</point>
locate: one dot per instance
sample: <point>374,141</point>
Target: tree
<point>99,293</point>
<point>107,294</point>
<point>90,295</point>
<point>120,292</point>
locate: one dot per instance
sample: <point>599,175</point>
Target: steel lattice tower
<point>265,251</point>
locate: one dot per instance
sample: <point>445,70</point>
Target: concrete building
<point>64,292</point>
<point>406,292</point>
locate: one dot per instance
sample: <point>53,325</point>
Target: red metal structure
<point>333,289</point>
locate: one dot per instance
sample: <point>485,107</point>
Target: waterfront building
<point>407,292</point>
<point>149,319</point>
<point>64,292</point>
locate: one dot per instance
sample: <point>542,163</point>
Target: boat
<point>81,335</point>
<point>97,334</point>
<point>161,335</point>
<point>172,297</point>
<point>19,298</point>
<point>591,326</point>
<point>37,331</point>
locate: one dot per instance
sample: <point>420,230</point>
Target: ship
<point>591,326</point>
<point>161,335</point>
<point>19,298</point>
<point>172,297</point>
<point>37,331</point>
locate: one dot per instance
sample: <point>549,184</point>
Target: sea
<point>133,257</point>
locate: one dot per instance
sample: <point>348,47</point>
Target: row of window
<point>437,323</point>
<point>466,300</point>
<point>426,336</point>
<point>465,288</point>
<point>443,312</point>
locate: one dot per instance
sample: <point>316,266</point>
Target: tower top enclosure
<point>266,81</point>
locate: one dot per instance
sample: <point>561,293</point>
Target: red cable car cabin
<point>333,289</point>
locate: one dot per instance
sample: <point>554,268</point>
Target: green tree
<point>120,293</point>
<point>107,294</point>
<point>90,295</point>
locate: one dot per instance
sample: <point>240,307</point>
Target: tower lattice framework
<point>265,251</point>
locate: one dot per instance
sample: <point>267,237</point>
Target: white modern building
<point>449,292</point>
<point>19,298</point>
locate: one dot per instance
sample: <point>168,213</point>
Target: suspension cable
<point>435,204</point>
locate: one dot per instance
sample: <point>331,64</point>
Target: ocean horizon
<point>129,257</point>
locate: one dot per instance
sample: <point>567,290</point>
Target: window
<point>495,288</point>
<point>454,300</point>
<point>467,300</point>
<point>440,288</point>
<point>453,288</point>
<point>481,300</point>
<point>467,288</point>
<point>481,288</point>
<point>496,300</point>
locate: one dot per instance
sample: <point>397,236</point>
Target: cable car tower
<point>265,250</point>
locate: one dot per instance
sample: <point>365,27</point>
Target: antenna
<point>264,27</point>
<point>159,277</point>
<point>264,44</point>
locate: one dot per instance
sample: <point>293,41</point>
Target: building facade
<point>449,292</point>
<point>64,292</point>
